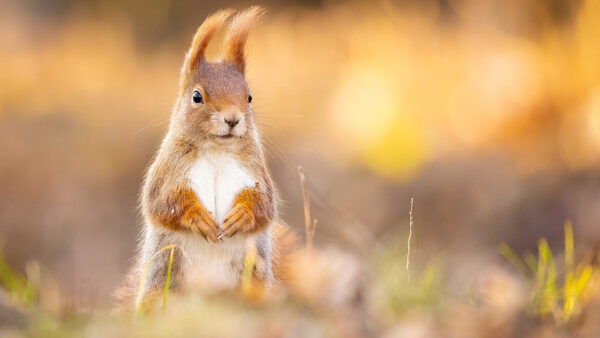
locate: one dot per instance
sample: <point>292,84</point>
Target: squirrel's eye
<point>249,98</point>
<point>197,97</point>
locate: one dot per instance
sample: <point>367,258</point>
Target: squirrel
<point>209,191</point>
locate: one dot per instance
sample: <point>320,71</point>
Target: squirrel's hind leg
<point>158,269</point>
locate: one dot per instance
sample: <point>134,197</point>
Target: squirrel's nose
<point>232,122</point>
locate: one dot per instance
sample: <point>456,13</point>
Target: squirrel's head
<point>215,100</point>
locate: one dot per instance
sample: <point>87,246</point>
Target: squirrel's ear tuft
<point>238,34</point>
<point>203,35</point>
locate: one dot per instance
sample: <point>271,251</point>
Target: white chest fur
<point>216,179</point>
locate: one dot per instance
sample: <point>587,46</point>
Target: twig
<point>410,226</point>
<point>309,229</point>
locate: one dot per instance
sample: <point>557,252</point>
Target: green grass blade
<point>511,257</point>
<point>531,262</point>
<point>569,247</point>
<point>168,281</point>
<point>569,292</point>
<point>541,268</point>
<point>544,294</point>
<point>142,286</point>
<point>582,280</point>
<point>11,281</point>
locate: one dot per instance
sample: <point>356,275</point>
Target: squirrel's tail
<point>285,243</point>
<point>127,292</point>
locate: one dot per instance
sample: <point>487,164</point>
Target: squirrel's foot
<point>201,221</point>
<point>239,219</point>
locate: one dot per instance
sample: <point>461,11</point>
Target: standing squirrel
<point>209,191</point>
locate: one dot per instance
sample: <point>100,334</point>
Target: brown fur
<point>169,205</point>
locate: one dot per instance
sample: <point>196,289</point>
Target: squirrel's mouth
<point>223,137</point>
<point>226,134</point>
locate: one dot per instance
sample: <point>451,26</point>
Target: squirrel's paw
<point>239,219</point>
<point>201,221</point>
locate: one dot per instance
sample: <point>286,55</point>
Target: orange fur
<point>238,34</point>
<point>204,34</point>
<point>200,221</point>
<point>252,211</point>
<point>285,243</point>
<point>177,208</point>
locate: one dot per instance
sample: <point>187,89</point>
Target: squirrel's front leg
<point>200,221</point>
<point>182,210</point>
<point>252,210</point>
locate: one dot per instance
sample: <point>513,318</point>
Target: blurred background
<point>487,113</point>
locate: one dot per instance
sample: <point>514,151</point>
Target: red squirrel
<point>208,190</point>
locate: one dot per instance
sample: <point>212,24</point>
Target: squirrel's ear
<point>238,34</point>
<point>203,35</point>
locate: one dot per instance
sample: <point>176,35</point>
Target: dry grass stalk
<point>308,227</point>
